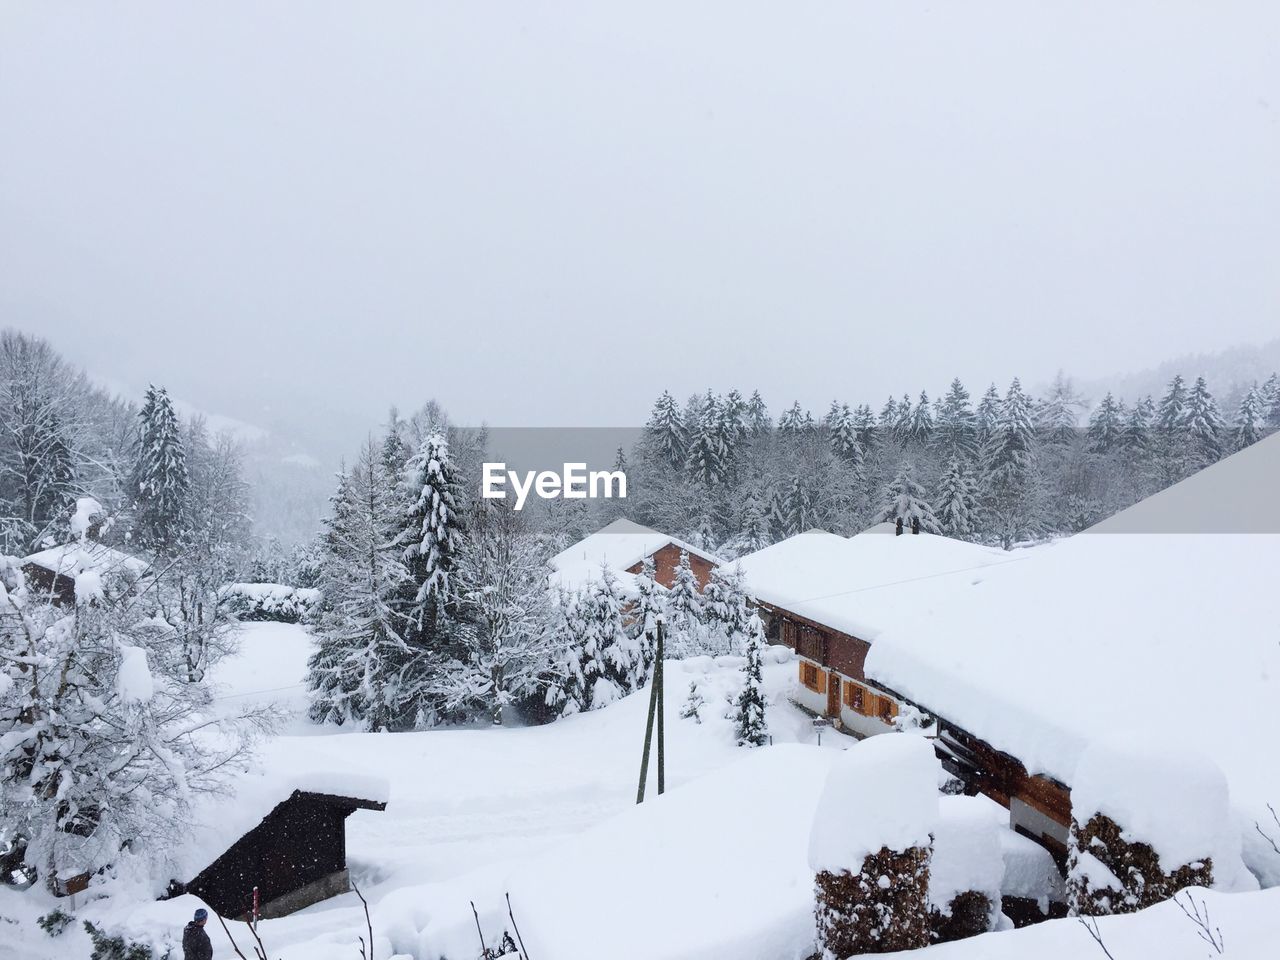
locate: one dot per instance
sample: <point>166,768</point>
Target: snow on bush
<point>966,870</point>
<point>134,682</point>
<point>270,601</point>
<point>870,845</point>
<point>882,793</point>
<point>1146,822</point>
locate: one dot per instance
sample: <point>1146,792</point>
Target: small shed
<point>294,855</point>
<point>53,572</point>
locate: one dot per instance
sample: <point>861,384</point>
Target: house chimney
<point>915,525</point>
<point>897,527</point>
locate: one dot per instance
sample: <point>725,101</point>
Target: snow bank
<point>1172,799</point>
<point>967,854</point>
<point>882,792</point>
<point>1029,870</point>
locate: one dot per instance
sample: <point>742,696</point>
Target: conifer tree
<point>844,437</point>
<point>429,534</point>
<point>159,482</point>
<point>1106,426</point>
<point>708,452</point>
<point>794,421</point>
<point>665,433</point>
<point>956,427</point>
<point>683,613</point>
<point>749,717</point>
<point>725,611</point>
<point>646,610</point>
<point>904,498</point>
<point>1248,427</point>
<point>1204,427</point>
<point>957,501</point>
<point>357,673</point>
<point>987,415</point>
<point>918,429</point>
<point>799,508</point>
<point>622,653</point>
<point>864,425</point>
<point>888,419</point>
<point>757,415</point>
<point>1057,416</point>
<point>1009,482</point>
<point>1270,394</point>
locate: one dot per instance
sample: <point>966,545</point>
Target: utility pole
<point>655,709</point>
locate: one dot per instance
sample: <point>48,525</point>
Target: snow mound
<point>1175,801</point>
<point>883,792</point>
<point>967,853</point>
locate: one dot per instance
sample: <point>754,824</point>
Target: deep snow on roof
<point>70,559</point>
<point>1171,636</point>
<point>619,545</point>
<point>839,581</point>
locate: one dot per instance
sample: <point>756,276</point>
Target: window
<point>853,695</point>
<point>810,676</point>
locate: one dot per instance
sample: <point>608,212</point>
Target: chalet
<point>1168,634</point>
<point>286,839</point>
<point>823,596</point>
<point>53,572</point>
<point>623,547</point>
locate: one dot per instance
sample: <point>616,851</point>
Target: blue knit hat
<point>202,914</point>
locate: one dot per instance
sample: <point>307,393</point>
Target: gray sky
<point>544,213</point>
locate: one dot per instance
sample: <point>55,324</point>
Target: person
<point>195,942</point>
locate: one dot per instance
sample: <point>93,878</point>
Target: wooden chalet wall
<point>45,583</point>
<point>301,843</point>
<point>667,559</point>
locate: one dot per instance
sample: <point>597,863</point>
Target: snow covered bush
<point>966,870</point>
<point>104,739</point>
<point>1145,823</point>
<point>870,847</point>
<point>270,601</point>
<point>693,704</point>
<point>749,720</point>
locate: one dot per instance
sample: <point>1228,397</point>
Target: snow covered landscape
<point>564,481</point>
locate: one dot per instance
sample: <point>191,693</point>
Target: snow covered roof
<point>619,545</point>
<point>77,557</point>
<point>1168,636</point>
<point>837,580</point>
<point>219,821</point>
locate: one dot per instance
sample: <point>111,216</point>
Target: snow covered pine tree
<point>749,719</point>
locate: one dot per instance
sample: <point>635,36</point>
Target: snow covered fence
<point>870,847</point>
<point>1145,823</point>
<point>270,601</point>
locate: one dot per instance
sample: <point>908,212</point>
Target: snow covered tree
<point>917,429</point>
<point>1011,494</point>
<point>648,607</point>
<point>693,704</point>
<point>756,415</point>
<point>429,534</point>
<point>102,746</point>
<point>1270,393</point>
<point>794,421</point>
<point>359,672</point>
<point>798,507</point>
<point>957,501</point>
<point>987,415</point>
<point>844,437</point>
<point>1248,426</point>
<point>725,611</point>
<point>506,633</point>
<point>666,434</point>
<point>159,483</point>
<point>683,612</point>
<point>956,425</point>
<point>1106,426</point>
<point>708,451</point>
<point>1204,427</point>
<point>904,498</point>
<point>749,718</point>
<point>1058,415</point>
<point>753,530</point>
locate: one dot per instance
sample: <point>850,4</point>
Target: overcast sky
<point>545,213</point>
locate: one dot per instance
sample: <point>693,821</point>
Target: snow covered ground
<point>716,868</point>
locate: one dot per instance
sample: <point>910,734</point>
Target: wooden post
<point>655,684</point>
<point>662,709</point>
